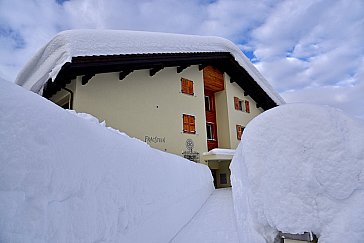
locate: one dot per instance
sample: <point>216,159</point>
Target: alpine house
<point>183,94</point>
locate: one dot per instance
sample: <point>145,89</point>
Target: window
<point>210,131</point>
<point>236,103</point>
<point>189,124</point>
<point>239,131</point>
<point>223,179</point>
<point>247,106</point>
<point>187,86</point>
<point>241,105</point>
<point>207,103</point>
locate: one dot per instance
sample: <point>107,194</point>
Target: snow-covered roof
<point>49,60</point>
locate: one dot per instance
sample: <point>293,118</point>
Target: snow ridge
<point>300,168</point>
<point>64,177</point>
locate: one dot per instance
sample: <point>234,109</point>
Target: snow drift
<point>300,168</point>
<point>68,179</point>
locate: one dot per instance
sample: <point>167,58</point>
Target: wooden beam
<point>86,78</point>
<point>124,73</point>
<point>155,70</point>
<point>115,63</point>
<point>202,66</point>
<point>181,68</point>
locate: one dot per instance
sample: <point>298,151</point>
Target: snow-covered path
<point>213,223</point>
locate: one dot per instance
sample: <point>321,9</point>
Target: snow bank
<point>3,79</point>
<point>68,179</point>
<point>300,168</point>
<point>72,43</point>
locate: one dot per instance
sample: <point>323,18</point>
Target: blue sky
<point>310,51</point>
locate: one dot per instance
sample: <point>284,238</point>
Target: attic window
<point>241,105</point>
<point>187,86</point>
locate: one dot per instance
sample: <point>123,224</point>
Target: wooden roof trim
<point>87,65</point>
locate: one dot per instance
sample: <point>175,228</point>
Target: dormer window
<point>241,105</point>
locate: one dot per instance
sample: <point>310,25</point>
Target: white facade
<point>150,108</point>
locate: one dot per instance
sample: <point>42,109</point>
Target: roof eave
<point>90,65</point>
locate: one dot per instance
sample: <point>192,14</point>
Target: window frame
<point>241,105</point>
<point>247,106</point>
<point>236,103</point>
<point>209,103</point>
<point>239,131</point>
<point>187,86</point>
<point>211,125</point>
<point>188,124</point>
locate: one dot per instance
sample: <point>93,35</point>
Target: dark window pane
<point>223,179</point>
<point>207,103</point>
<point>209,131</point>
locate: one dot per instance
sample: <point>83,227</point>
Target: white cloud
<point>313,51</point>
<point>347,97</point>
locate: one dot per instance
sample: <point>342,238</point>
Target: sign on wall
<point>189,153</point>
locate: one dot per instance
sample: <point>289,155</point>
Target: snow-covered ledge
<point>218,154</point>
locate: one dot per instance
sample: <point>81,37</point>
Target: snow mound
<point>69,179</point>
<point>48,61</point>
<point>300,168</point>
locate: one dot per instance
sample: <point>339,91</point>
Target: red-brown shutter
<point>190,87</point>
<point>184,87</point>
<point>236,103</point>
<point>189,124</point>
<point>186,126</point>
<point>192,124</point>
<point>239,131</point>
<point>247,107</point>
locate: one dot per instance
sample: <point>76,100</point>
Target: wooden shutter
<point>190,87</point>
<point>239,131</point>
<point>186,126</point>
<point>236,103</point>
<point>189,124</point>
<point>184,87</point>
<point>187,86</point>
<point>192,124</point>
<point>247,106</point>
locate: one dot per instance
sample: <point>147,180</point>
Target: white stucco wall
<point>152,107</point>
<point>222,121</point>
<point>237,117</point>
<point>147,106</point>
